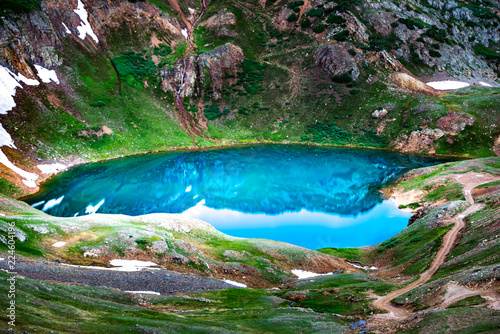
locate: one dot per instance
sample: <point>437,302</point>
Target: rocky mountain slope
<point>93,79</point>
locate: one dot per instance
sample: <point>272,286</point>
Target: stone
<point>335,60</point>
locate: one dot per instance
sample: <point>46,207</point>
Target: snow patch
<point>8,84</point>
<point>2,258</point>
<point>129,268</point>
<point>447,85</point>
<point>59,244</point>
<point>239,285</point>
<point>85,28</point>
<point>52,203</point>
<point>145,292</point>
<point>30,183</point>
<point>485,84</point>
<point>93,209</point>
<point>29,178</point>
<point>52,168</point>
<point>355,265</point>
<point>46,75</point>
<point>188,189</point>
<point>66,30</point>
<point>301,274</point>
<point>131,265</point>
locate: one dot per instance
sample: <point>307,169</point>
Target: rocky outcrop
<point>419,141</point>
<point>355,27</point>
<point>411,84</point>
<point>220,22</point>
<point>336,61</point>
<point>453,123</point>
<point>223,60</point>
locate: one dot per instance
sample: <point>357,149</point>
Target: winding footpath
<point>469,182</point>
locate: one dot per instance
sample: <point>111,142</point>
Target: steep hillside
<point>94,79</point>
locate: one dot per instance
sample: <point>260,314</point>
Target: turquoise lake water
<point>308,196</point>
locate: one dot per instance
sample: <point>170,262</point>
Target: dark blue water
<point>308,196</point>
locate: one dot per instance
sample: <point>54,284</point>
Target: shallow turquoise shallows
<point>308,196</point>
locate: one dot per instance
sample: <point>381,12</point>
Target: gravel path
<point>469,181</point>
<point>162,281</point>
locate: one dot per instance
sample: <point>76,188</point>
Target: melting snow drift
<point>59,244</point>
<point>8,85</point>
<point>121,265</point>
<point>52,168</point>
<point>46,75</point>
<point>144,292</point>
<point>239,285</point>
<point>131,265</point>
<point>447,85</point>
<point>301,274</point>
<point>85,28</point>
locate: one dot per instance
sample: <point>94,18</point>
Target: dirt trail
<point>455,293</point>
<point>468,181</point>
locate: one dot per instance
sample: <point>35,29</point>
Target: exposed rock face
<point>216,63</point>
<point>355,27</point>
<point>39,36</point>
<point>335,60</point>
<point>454,123</point>
<point>419,141</point>
<point>379,113</point>
<point>389,61</point>
<point>220,22</point>
<point>409,83</point>
<point>381,21</point>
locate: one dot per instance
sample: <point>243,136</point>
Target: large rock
<point>335,60</point>
<point>217,62</point>
<point>220,22</point>
<point>419,141</point>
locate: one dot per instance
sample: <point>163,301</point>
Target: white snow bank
<point>362,267</point>
<point>301,274</point>
<point>66,29</point>
<point>85,28</point>
<point>120,265</point>
<point>144,292</point>
<point>52,168</point>
<point>8,84</point>
<point>2,258</point>
<point>131,265</point>
<point>59,244</point>
<point>46,75</point>
<point>29,178</point>
<point>447,85</point>
<point>239,285</point>
<point>92,209</point>
<point>485,84</point>
<point>188,189</point>
<point>52,203</point>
